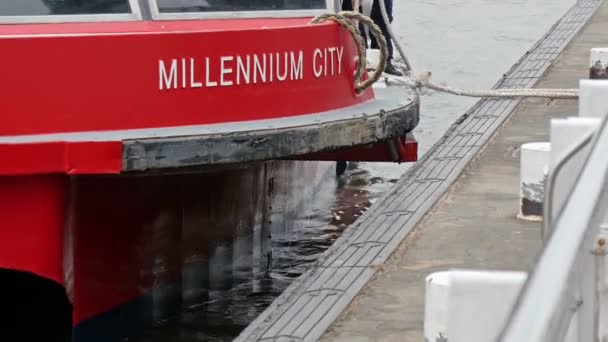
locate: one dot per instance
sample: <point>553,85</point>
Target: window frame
<point>136,14</point>
<point>330,5</point>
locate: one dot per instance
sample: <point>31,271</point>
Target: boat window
<point>62,7</point>
<point>180,6</point>
<point>57,11</point>
<point>197,9</point>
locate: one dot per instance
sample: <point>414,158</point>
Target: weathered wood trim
<point>220,149</point>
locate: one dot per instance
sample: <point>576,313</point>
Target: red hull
<point>91,103</point>
<point>139,243</point>
<point>99,87</point>
<point>111,79</point>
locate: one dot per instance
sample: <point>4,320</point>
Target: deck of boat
<point>456,208</point>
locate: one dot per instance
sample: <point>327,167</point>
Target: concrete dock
<point>456,208</point>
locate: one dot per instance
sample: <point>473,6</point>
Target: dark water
<point>245,235</point>
<point>468,43</point>
<point>230,242</point>
<point>307,210</point>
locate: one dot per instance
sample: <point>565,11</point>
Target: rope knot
<point>423,79</point>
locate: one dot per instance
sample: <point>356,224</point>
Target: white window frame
<point>135,14</point>
<point>156,15</point>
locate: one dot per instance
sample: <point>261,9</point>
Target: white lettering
<point>226,71</point>
<point>282,77</point>
<point>241,69</point>
<point>271,67</point>
<point>331,53</point>
<point>259,69</point>
<point>340,54</point>
<point>319,71</point>
<point>325,60</point>
<point>193,82</point>
<point>209,83</point>
<point>167,81</point>
<point>297,66</point>
<point>183,73</point>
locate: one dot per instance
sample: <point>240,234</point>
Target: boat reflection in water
<point>130,211</point>
<point>199,256</point>
<point>213,250</point>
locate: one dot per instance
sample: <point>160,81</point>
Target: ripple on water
<point>470,43</point>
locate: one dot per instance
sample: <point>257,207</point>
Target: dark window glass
<point>177,6</point>
<point>51,7</point>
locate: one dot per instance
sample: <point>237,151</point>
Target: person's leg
<point>376,16</point>
<point>347,5</point>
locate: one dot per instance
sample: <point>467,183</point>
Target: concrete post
<point>469,306</point>
<point>598,64</point>
<point>534,166</point>
<point>436,306</point>
<point>592,99</point>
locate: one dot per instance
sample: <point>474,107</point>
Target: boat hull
<point>135,154</point>
<point>137,251</point>
<point>142,96</point>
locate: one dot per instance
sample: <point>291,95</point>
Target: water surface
<point>466,43</point>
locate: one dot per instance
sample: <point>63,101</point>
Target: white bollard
<point>534,165</point>
<point>480,303</point>
<point>436,306</point>
<point>598,63</point>
<point>592,99</point>
<point>473,306</point>
<point>469,306</point>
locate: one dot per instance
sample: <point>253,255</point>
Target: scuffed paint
<point>532,199</point>
<point>598,70</point>
<point>533,191</point>
<point>598,66</point>
<point>534,171</point>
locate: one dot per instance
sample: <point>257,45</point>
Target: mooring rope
<point>422,80</point>
<point>346,20</point>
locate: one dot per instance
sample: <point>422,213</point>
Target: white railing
<point>564,297</point>
<point>563,293</point>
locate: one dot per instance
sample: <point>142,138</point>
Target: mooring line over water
<point>310,305</point>
<point>422,80</point>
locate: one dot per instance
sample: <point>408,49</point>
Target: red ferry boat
<point>114,111</point>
